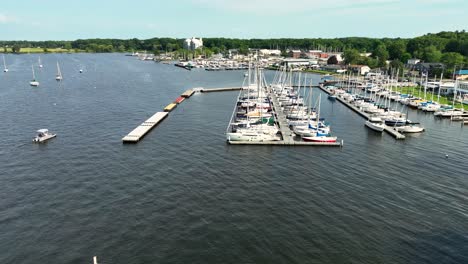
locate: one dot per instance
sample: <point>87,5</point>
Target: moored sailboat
<point>33,82</point>
<point>58,77</point>
<point>5,69</point>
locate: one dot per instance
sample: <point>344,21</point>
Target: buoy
<point>446,156</point>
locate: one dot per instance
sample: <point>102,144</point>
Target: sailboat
<point>33,82</point>
<point>325,137</point>
<point>5,69</point>
<point>409,127</point>
<point>58,77</point>
<point>40,64</point>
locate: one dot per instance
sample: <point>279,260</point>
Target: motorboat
<point>43,135</point>
<point>376,124</point>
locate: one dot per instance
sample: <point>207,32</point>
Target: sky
<point>124,19</point>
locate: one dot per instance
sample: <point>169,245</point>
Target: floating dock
<point>139,132</point>
<point>203,90</point>
<point>179,100</point>
<point>170,107</point>
<point>188,93</point>
<point>390,130</point>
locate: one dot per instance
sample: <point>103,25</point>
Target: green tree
<point>67,46</point>
<point>396,49</point>
<point>450,59</point>
<point>405,57</point>
<point>351,56</point>
<point>121,48</point>
<point>397,65</point>
<point>244,50</point>
<point>381,54</point>
<point>16,48</point>
<point>431,54</point>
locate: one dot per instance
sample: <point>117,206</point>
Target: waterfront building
<point>361,69</point>
<point>296,54</point>
<point>461,75</point>
<point>193,43</point>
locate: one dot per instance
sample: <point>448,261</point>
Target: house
<point>313,54</point>
<point>461,75</point>
<point>429,67</point>
<point>296,54</point>
<point>361,69</point>
<point>413,61</point>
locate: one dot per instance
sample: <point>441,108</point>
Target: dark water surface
<point>182,195</point>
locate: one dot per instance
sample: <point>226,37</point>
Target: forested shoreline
<point>450,48</point>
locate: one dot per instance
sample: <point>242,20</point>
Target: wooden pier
<point>139,132</point>
<point>390,130</point>
<point>291,143</point>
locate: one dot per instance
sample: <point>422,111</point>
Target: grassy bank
<point>419,92</point>
<point>41,50</point>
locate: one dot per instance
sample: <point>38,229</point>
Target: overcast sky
<point>69,20</point>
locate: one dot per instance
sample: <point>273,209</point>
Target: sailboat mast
<point>34,76</point>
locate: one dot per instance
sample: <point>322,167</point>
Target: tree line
<point>450,48</point>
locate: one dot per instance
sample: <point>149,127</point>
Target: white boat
<point>33,82</point>
<point>5,69</point>
<point>58,77</point>
<point>449,113</point>
<point>410,129</point>
<point>39,60</point>
<point>43,135</point>
<point>255,136</point>
<point>320,139</point>
<point>375,123</point>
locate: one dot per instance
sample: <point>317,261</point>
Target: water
<point>182,195</point>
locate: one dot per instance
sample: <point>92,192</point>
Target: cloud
<point>4,19</point>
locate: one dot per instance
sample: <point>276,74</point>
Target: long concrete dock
<point>204,90</point>
<point>139,132</point>
<point>390,130</point>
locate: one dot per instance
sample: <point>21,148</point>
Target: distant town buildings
<point>193,43</point>
<point>269,52</point>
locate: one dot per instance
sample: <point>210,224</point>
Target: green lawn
<point>39,50</point>
<point>419,92</point>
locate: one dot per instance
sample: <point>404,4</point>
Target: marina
<point>276,114</point>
